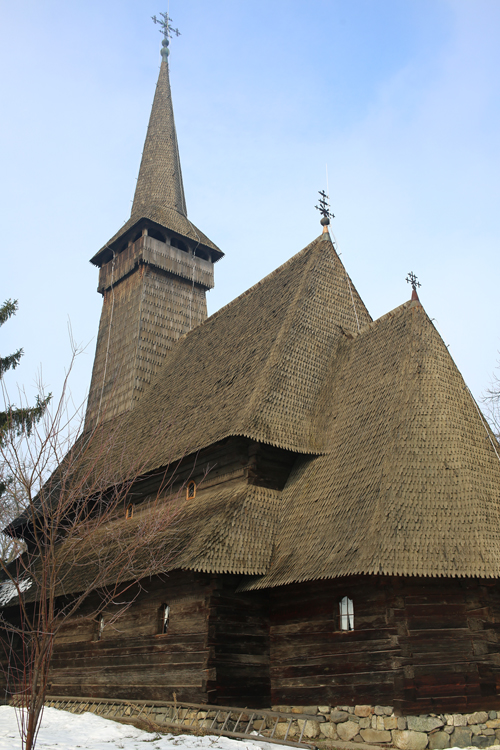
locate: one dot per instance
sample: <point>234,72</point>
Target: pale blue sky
<point>401,98</point>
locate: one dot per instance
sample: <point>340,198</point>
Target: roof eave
<point>105,254</point>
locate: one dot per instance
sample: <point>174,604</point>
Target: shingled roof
<point>410,483</point>
<point>257,367</point>
<point>159,193</point>
<point>397,473</point>
<point>227,528</point>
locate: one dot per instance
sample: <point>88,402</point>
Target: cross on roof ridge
<point>324,209</point>
<point>412,279</point>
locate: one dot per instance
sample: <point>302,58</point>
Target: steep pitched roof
<point>256,367</point>
<point>160,176</point>
<point>159,194</point>
<point>411,481</point>
<point>402,476</point>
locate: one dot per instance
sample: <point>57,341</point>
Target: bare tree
<point>11,506</point>
<point>492,404</point>
<point>88,526</point>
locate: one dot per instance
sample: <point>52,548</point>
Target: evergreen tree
<point>18,420</point>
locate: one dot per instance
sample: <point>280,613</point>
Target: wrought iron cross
<point>412,279</point>
<point>167,30</point>
<point>324,208</point>
<point>165,27</point>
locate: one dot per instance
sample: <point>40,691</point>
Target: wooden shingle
<point>410,480</point>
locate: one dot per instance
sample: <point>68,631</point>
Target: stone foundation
<point>320,726</point>
<point>380,725</point>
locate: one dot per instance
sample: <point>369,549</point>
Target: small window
<point>99,627</point>
<point>179,244</point>
<point>346,607</point>
<point>191,490</point>
<point>129,511</point>
<point>156,235</point>
<point>164,618</point>
<point>201,254</point>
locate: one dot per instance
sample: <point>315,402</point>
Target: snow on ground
<point>62,730</point>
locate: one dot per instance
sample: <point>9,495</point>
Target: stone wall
<point>380,725</point>
<point>320,726</point>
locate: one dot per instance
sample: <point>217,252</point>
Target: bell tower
<point>153,273</point>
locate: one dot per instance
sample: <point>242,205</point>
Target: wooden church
<point>341,537</point>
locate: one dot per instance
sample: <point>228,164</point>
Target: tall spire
<point>154,272</point>
<point>159,203</point>
<point>159,184</point>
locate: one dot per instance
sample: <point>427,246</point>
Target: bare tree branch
<point>491,403</point>
<point>71,536</point>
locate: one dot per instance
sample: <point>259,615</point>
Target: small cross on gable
<point>412,279</point>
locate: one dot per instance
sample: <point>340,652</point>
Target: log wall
<point>420,645</point>
<point>132,659</point>
<point>216,648</point>
<point>260,464</point>
<point>314,662</point>
<point>448,635</point>
<point>239,646</point>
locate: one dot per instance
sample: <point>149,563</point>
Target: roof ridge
<point>390,314</point>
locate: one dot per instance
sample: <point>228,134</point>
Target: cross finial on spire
<point>412,279</point>
<point>324,209</point>
<point>167,30</point>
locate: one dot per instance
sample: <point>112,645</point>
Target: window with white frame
<point>346,608</point>
<point>164,617</point>
<point>99,627</point>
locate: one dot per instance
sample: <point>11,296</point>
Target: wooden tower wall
<point>153,294</point>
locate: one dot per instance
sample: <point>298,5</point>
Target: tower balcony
<point>173,255</point>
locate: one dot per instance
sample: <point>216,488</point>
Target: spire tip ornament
<point>167,30</point>
<point>324,209</point>
<point>412,279</point>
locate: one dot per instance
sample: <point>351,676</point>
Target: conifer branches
<point>13,418</point>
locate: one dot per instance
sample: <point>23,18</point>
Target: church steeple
<point>159,199</point>
<point>159,185</point>
<point>154,272</point>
